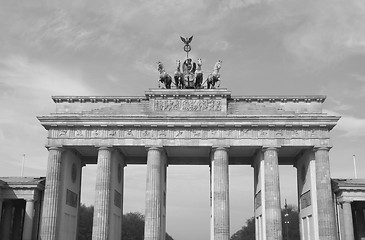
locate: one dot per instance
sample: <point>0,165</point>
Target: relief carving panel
<point>190,133</point>
<point>187,105</point>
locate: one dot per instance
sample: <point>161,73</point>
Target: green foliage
<point>246,232</point>
<point>290,230</point>
<point>133,225</point>
<point>84,231</point>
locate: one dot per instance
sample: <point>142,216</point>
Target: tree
<point>290,229</point>
<point>132,229</point>
<point>246,232</point>
<point>290,223</point>
<point>85,228</point>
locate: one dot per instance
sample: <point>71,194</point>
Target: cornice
<point>188,94</point>
<point>282,99</point>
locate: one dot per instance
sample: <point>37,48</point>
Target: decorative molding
<point>188,133</point>
<point>187,105</point>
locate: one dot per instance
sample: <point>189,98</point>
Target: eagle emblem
<point>186,40</point>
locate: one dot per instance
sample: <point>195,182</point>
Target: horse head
<point>218,65</point>
<point>160,67</point>
<point>199,62</point>
<point>178,64</point>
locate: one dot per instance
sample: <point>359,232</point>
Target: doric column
<point>220,194</point>
<point>348,227</point>
<point>272,194</point>
<point>52,194</point>
<point>28,219</point>
<point>326,210</point>
<point>6,222</point>
<point>155,197</point>
<point>102,195</point>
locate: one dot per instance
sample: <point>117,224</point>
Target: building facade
<point>188,126</point>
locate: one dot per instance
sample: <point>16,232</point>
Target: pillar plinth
<point>102,195</point>
<point>220,194</point>
<point>51,194</point>
<point>155,194</point>
<point>272,194</point>
<point>28,220</point>
<point>348,223</point>
<point>326,210</point>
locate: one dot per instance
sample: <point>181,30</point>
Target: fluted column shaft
<point>153,220</point>
<point>102,195</point>
<point>348,223</point>
<point>272,194</point>
<point>326,210</point>
<point>28,220</point>
<point>51,195</point>
<point>220,194</point>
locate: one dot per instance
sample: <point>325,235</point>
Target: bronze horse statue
<point>214,77</point>
<point>165,78</point>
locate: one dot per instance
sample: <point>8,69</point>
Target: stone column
<point>220,194</point>
<point>52,193</point>
<point>154,194</point>
<point>102,195</point>
<point>326,209</point>
<point>272,194</point>
<point>348,227</point>
<point>28,219</point>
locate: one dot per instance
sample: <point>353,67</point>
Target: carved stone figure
<point>198,74</point>
<point>178,76</point>
<point>189,68</point>
<point>165,78</point>
<point>214,77</point>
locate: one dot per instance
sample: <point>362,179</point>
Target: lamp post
<point>286,220</point>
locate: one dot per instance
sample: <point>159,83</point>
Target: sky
<point>109,47</point>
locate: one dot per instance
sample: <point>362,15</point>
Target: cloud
<point>349,125</point>
<point>35,78</point>
<point>329,31</point>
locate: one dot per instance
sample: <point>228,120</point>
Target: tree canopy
<point>290,229</point>
<point>133,225</point>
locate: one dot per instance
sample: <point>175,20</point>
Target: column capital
<point>224,148</point>
<point>56,148</point>
<point>104,147</point>
<point>321,148</point>
<point>273,148</point>
<point>158,148</point>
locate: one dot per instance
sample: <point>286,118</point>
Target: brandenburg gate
<point>192,127</point>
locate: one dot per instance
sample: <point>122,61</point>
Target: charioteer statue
<point>191,76</point>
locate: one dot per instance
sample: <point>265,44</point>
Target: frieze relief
<point>187,105</point>
<point>190,133</point>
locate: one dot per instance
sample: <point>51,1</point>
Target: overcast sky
<point>87,47</point>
